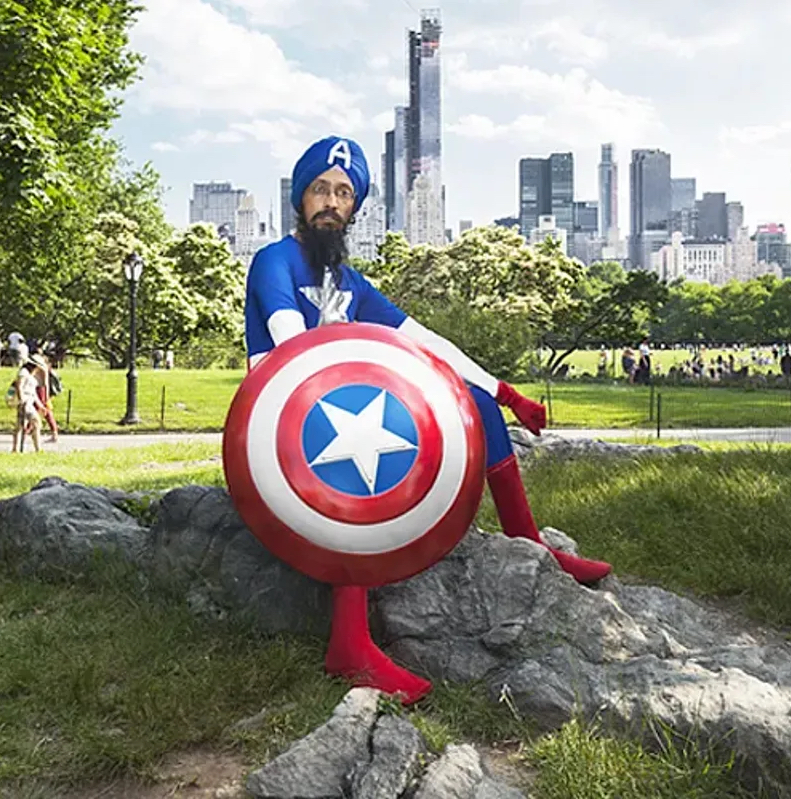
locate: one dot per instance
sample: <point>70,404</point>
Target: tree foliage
<point>608,306</point>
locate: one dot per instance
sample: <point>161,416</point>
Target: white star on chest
<point>333,304</point>
<point>361,438</point>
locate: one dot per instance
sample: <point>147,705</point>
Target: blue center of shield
<point>360,440</point>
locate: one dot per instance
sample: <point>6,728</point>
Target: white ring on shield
<point>329,533</point>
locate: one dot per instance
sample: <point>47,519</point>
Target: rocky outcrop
<point>361,754</point>
<point>495,609</point>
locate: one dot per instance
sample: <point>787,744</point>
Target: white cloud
<point>165,147</point>
<point>200,61</point>
<point>563,36</point>
<point>756,134</point>
<point>647,36</point>
<point>288,13</point>
<point>573,109</point>
<point>384,121</point>
<point>477,126</point>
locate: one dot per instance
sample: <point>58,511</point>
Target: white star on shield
<point>361,438</point>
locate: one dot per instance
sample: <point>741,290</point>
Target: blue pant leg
<point>498,442</point>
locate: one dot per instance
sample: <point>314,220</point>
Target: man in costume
<point>302,282</point>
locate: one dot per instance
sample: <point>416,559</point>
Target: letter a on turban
<point>325,154</point>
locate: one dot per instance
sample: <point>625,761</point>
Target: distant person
<point>17,348</point>
<point>40,369</point>
<point>170,359</point>
<point>28,407</point>
<point>627,363</point>
<point>644,366</point>
<point>158,358</point>
<point>785,364</point>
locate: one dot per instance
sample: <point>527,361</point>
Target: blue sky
<point>235,90</point>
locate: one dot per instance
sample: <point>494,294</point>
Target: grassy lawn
<point>99,679</point>
<point>199,400</point>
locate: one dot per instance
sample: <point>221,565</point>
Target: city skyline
<point>235,90</point>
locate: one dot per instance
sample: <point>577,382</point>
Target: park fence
<point>664,407</point>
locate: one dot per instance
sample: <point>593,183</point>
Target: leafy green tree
<point>191,288</point>
<point>487,292</point>
<point>607,306</point>
<point>63,65</point>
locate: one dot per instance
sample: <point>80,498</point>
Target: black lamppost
<point>133,269</point>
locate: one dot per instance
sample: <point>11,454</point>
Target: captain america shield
<point>354,454</point>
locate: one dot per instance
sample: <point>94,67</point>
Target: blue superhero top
<point>280,280</point>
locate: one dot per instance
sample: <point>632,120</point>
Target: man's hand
<point>531,414</point>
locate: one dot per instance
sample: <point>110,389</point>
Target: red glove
<point>531,414</point>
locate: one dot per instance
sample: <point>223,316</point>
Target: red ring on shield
<point>321,563</point>
<point>327,500</point>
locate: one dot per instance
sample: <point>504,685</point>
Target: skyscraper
<point>424,133</point>
<point>608,192</point>
<point>216,203</point>
<point>288,218</point>
<point>388,172</point>
<point>649,204</point>
<point>683,192</point>
<point>712,216</point>
<point>400,167</point>
<point>546,187</point>
<point>735,214</point>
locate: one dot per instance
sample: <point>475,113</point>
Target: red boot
<point>517,521</point>
<point>352,654</point>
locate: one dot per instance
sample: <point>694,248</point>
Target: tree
<point>192,287</point>
<point>607,305</point>
<point>63,65</point>
<point>487,292</point>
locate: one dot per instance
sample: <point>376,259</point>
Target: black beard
<point>323,247</point>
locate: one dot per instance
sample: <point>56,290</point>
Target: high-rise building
<point>534,193</point>
<point>586,226</point>
<point>423,123</point>
<point>250,233</point>
<point>400,168</point>
<point>649,204</point>
<point>217,204</point>
<point>735,213</point>
<point>413,109</point>
<point>712,217</point>
<point>608,192</point>
<point>464,224</point>
<point>369,228</point>
<point>682,193</point>
<point>546,187</point>
<point>772,247</point>
<point>288,217</point>
<point>388,173</point>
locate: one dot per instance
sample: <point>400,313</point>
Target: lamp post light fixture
<point>133,270</point>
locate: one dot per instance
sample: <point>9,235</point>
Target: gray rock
<point>460,774</point>
<point>528,446</point>
<point>455,775</point>
<point>200,544</point>
<point>398,752</point>
<point>63,526</point>
<point>317,766</point>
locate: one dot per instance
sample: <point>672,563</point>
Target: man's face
<point>329,201</point>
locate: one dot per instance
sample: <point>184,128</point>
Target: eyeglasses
<point>343,193</point>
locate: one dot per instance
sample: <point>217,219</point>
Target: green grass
<point>99,678</point>
<point>155,467</point>
<point>620,405</point>
<point>199,400</point>
<point>194,399</point>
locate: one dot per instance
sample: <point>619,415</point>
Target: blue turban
<point>323,155</point>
